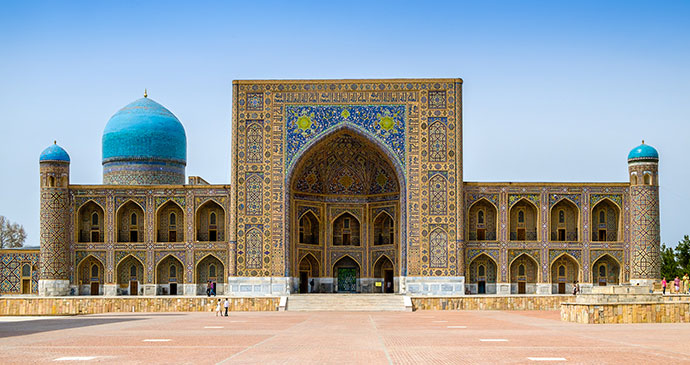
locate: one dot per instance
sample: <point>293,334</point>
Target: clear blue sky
<point>554,91</point>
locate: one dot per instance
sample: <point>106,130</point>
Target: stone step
<point>346,302</point>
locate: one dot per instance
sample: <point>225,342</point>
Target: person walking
<point>226,305</point>
<point>676,284</point>
<point>209,287</point>
<point>686,281</point>
<point>218,312</point>
<point>663,286</point>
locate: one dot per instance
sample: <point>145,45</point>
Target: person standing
<point>686,281</point>
<point>226,305</point>
<point>311,285</point>
<point>663,286</point>
<point>676,284</point>
<point>218,312</point>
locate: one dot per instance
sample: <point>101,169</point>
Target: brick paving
<point>422,337</point>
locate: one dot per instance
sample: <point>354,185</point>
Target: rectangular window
<point>95,236</point>
<point>521,234</point>
<point>602,235</point>
<point>172,236</point>
<point>346,239</point>
<point>133,236</point>
<point>212,235</point>
<point>561,234</point>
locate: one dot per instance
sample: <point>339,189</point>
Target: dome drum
<point>119,172</point>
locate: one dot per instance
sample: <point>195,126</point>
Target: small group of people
<point>576,287</point>
<point>225,304</point>
<point>676,285</point>
<point>211,289</point>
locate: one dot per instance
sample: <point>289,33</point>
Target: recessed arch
<point>564,221</point>
<point>611,270</point>
<point>127,282</point>
<point>524,274</point>
<point>126,231</point>
<point>90,280</point>
<point>564,271</point>
<point>482,220</point>
<point>309,232</point>
<point>346,273</point>
<point>346,230</point>
<point>205,230</point>
<point>482,281</point>
<point>395,177</point>
<point>383,229</point>
<point>210,268</point>
<point>606,221</point>
<point>169,274</point>
<point>167,228</point>
<point>384,272</point>
<point>88,231</point>
<point>523,221</point>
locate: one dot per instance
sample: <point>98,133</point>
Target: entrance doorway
<point>347,280</point>
<point>26,286</point>
<point>133,287</point>
<point>561,288</point>
<point>481,287</point>
<point>173,288</point>
<point>522,287</point>
<point>304,282</point>
<point>388,281</point>
<point>94,288</point>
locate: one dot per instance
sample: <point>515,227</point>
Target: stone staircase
<point>348,302</point>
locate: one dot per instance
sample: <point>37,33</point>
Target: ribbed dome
<point>643,152</point>
<point>54,153</point>
<point>144,130</point>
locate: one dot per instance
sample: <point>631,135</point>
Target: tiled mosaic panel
<point>11,265</point>
<point>646,261</point>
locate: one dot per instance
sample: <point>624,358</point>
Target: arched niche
<point>90,220</point>
<point>565,221</point>
<point>605,221</point>
<point>605,271</point>
<point>170,276</point>
<point>346,274</point>
<point>90,274</point>
<point>482,218</point>
<point>130,276</point>
<point>482,275</point>
<point>210,222</point>
<point>524,273</point>
<point>384,272</point>
<point>309,229</point>
<point>523,221</point>
<point>346,230</point>
<point>384,229</point>
<point>564,272</point>
<point>170,223</point>
<point>210,268</point>
<point>308,270</point>
<point>130,223</point>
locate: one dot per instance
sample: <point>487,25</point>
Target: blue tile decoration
<point>385,123</point>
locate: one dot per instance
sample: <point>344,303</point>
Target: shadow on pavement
<point>28,327</point>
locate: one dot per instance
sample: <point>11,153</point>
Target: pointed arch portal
<point>345,199</point>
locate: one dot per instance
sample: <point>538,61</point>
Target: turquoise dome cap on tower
<point>643,152</point>
<point>54,153</point>
<point>144,130</point>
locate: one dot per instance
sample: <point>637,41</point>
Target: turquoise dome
<point>54,153</point>
<point>643,152</point>
<point>144,131</point>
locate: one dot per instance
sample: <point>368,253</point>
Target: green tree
<point>669,265</point>
<point>683,255</point>
<point>11,234</point>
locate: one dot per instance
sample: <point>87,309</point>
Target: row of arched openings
<point>564,222</point>
<point>345,272</point>
<point>346,230</point>
<point>170,223</point>
<point>523,274</point>
<point>169,272</point>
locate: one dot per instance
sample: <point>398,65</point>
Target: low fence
<point>492,302</point>
<point>20,306</point>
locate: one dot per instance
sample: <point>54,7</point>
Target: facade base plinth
<point>53,287</point>
<point>543,288</point>
<point>643,282</point>
<point>110,290</point>
<point>442,285</point>
<point>502,288</point>
<point>149,289</point>
<point>257,286</point>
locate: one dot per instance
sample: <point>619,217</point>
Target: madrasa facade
<point>336,186</point>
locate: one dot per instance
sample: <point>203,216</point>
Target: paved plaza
<point>421,337</point>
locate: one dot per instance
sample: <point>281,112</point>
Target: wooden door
<point>133,287</point>
<point>522,287</point>
<point>561,288</point>
<point>481,287</point>
<point>26,286</point>
<point>94,288</point>
<point>388,281</point>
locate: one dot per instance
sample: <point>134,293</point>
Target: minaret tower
<point>643,167</point>
<point>55,255</point>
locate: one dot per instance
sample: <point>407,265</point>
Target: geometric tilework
<point>55,258</point>
<point>11,264</point>
<point>646,260</point>
<point>437,140</point>
<point>438,248</point>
